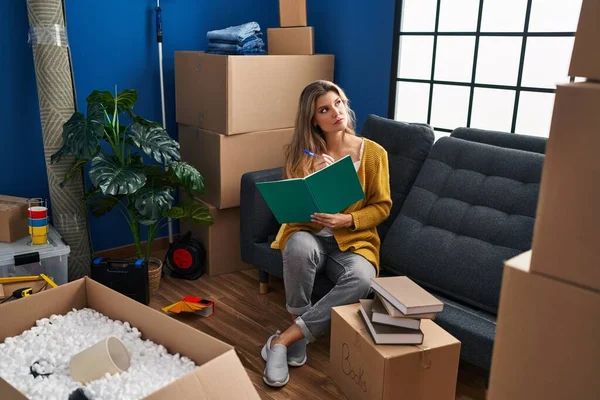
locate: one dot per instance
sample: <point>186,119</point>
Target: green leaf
<point>125,100</point>
<point>192,211</point>
<point>111,177</point>
<point>143,121</point>
<point>138,217</point>
<point>75,168</point>
<point>153,202</point>
<point>155,142</point>
<point>62,152</point>
<point>101,205</point>
<point>190,178</point>
<point>81,134</point>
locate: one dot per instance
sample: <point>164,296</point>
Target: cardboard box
<point>7,289</point>
<point>222,160</point>
<point>13,218</point>
<point>221,240</point>
<point>363,370</point>
<point>239,94</point>
<point>292,13</point>
<point>567,226</point>
<point>585,59</point>
<point>220,374</point>
<point>546,344</point>
<point>291,40</point>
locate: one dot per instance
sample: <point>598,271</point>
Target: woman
<point>344,246</point>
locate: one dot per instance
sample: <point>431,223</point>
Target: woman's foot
<point>296,353</point>
<point>276,372</point>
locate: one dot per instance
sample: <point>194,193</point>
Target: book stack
<point>394,315</point>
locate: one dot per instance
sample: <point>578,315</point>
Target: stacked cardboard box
<point>294,36</point>
<point>549,314</point>
<point>235,115</point>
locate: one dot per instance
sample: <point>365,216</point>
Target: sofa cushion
<point>407,145</point>
<point>475,329</point>
<point>471,208</point>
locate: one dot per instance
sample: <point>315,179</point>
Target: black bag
<point>128,277</point>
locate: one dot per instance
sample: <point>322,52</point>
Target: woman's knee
<point>301,246</point>
<point>361,276</point>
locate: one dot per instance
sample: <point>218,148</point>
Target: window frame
<point>517,89</point>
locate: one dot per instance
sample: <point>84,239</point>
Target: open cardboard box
<point>219,375</point>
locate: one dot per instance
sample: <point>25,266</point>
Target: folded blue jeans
<point>251,44</point>
<point>234,33</point>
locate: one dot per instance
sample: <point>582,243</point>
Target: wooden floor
<point>245,319</point>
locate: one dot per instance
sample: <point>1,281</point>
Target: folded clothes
<point>241,43</point>
<point>240,52</point>
<point>251,43</point>
<point>237,33</point>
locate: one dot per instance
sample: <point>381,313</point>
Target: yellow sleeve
<point>380,201</point>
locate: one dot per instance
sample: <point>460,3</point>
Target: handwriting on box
<point>348,368</point>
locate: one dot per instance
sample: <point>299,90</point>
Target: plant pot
<point>154,274</point>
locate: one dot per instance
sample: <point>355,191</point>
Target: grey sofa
<point>461,207</point>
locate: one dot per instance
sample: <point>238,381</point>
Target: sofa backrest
<point>472,207</point>
<point>536,144</point>
<point>407,146</point>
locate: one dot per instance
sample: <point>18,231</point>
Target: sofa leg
<point>263,277</point>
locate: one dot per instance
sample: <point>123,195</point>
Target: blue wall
<point>360,34</point>
<point>113,43</point>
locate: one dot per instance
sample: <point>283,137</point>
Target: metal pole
<point>159,39</point>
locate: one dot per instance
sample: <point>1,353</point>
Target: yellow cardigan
<point>374,177</point>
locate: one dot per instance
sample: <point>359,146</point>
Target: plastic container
<point>21,258</point>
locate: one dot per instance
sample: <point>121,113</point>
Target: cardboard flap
<point>162,329</point>
<point>10,202</point>
<point>7,391</point>
<point>22,313</point>
<point>222,378</point>
<point>521,262</point>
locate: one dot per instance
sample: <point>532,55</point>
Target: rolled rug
<point>56,96</point>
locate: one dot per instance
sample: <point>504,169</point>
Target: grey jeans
<point>306,255</point>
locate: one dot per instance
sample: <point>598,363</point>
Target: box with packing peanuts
<point>222,160</point>
<point>546,344</point>
<point>365,371</point>
<point>13,218</point>
<point>585,59</point>
<point>291,40</point>
<point>221,240</point>
<point>219,375</point>
<point>567,225</point>
<point>292,13</point>
<point>240,94</point>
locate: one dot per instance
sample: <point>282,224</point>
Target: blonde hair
<point>308,136</point>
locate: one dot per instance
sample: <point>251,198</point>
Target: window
<point>489,64</point>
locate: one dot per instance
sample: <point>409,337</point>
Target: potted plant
<point>135,166</point>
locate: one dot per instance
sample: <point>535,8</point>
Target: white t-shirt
<point>327,231</point>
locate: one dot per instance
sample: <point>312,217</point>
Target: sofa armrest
<point>257,222</point>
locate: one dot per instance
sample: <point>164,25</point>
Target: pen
<point>310,153</point>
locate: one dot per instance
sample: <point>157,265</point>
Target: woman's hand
<point>333,221</point>
<point>322,161</point>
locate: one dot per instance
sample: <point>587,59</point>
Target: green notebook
<point>329,190</point>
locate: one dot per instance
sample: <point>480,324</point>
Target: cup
<point>37,212</point>
<point>108,355</point>
<point>38,226</point>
